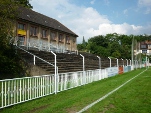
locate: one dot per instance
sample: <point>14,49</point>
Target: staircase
<point>65,62</point>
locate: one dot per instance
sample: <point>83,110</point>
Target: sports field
<point>132,95</point>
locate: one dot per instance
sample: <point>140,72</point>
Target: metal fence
<point>18,90</point>
<point>42,45</point>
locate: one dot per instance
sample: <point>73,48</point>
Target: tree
<point>10,62</point>
<point>83,41</point>
<point>24,3</point>
<point>116,54</point>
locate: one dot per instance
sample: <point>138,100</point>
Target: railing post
<point>146,62</point>
<point>55,71</point>
<point>83,69</point>
<point>127,62</point>
<point>110,61</point>
<point>123,62</point>
<point>34,59</point>
<point>99,62</point>
<point>116,61</point>
<point>99,67</point>
<point>130,62</point>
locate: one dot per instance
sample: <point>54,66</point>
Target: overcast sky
<point>90,18</point>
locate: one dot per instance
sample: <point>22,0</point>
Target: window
<point>33,31</point>
<point>44,33</point>
<point>149,45</point>
<point>67,39</point>
<point>53,36</point>
<point>144,51</point>
<point>60,38</point>
<point>74,40</point>
<point>143,46</point>
<point>21,26</point>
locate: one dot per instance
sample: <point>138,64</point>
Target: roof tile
<point>35,17</point>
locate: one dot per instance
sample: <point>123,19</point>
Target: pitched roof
<point>35,17</point>
<point>146,42</point>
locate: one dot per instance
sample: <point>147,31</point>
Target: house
<point>39,31</point>
<point>145,47</point>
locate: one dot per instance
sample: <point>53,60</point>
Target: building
<point>143,47</point>
<point>39,31</point>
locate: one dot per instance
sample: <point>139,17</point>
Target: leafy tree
<point>24,3</point>
<point>81,47</point>
<point>83,41</point>
<point>114,45</point>
<point>11,64</point>
<point>116,54</point>
<point>99,41</point>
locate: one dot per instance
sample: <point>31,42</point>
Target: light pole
<point>132,54</point>
<point>110,61</point>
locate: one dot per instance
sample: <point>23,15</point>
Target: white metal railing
<point>34,56</point>
<point>45,46</point>
<point>18,90</point>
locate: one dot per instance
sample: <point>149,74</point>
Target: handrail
<point>56,71</point>
<point>36,56</point>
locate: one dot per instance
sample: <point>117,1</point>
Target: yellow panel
<point>21,32</point>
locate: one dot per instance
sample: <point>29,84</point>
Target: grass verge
<point>134,97</point>
<point>73,100</point>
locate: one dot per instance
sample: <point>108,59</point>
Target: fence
<point>42,45</point>
<point>18,90</point>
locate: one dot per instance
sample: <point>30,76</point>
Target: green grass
<point>133,97</point>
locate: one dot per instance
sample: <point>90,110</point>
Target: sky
<point>89,18</point>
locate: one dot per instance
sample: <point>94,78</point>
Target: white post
<point>55,71</point>
<point>117,61</point>
<point>99,62</point>
<point>127,62</point>
<point>123,62</point>
<point>110,61</point>
<point>99,67</point>
<point>132,54</point>
<point>83,68</point>
<point>146,61</point>
<point>34,59</point>
<point>130,62</point>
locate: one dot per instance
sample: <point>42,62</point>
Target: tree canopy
<point>114,45</point>
<point>10,62</point>
<point>24,3</point>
